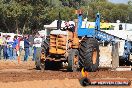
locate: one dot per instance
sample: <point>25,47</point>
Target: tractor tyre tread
<point>86,54</point>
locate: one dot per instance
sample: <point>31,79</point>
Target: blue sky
<point>119,1</point>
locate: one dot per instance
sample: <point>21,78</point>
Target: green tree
<point>13,11</point>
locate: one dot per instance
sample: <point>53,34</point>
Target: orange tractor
<point>62,47</point>
<point>65,46</point>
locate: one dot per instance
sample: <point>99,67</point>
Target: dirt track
<point>24,75</point>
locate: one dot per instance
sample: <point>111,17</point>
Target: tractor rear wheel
<point>89,54</point>
<point>73,58</point>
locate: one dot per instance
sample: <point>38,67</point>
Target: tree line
<point>28,16</point>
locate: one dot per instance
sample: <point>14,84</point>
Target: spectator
<point>37,45</point>
<point>18,46</point>
<point>14,45</point>
<point>5,47</point>
<point>9,47</point>
<point>21,44</point>
<point>31,39</point>
<point>26,48</point>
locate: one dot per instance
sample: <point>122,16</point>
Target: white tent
<point>53,25</point>
<point>42,32</point>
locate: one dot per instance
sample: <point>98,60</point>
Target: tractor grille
<point>58,44</point>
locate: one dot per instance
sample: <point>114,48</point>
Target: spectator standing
<point>37,45</point>
<point>31,40</point>
<point>14,46</point>
<point>4,47</point>
<point>26,48</point>
<point>9,47</point>
<point>18,46</point>
<point>21,44</point>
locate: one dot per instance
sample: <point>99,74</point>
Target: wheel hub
<point>75,60</point>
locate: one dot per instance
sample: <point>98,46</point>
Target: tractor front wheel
<point>73,59</point>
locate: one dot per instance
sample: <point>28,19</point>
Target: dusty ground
<point>24,75</point>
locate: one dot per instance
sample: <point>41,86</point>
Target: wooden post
<point>115,56</point>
